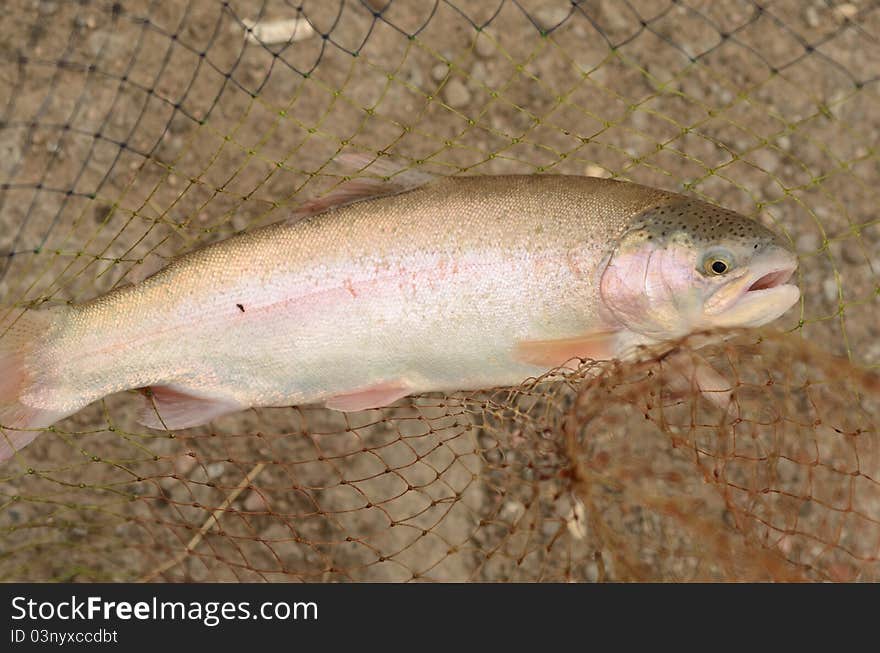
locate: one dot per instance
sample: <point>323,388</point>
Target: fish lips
<point>758,296</point>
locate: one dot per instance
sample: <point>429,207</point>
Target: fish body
<point>446,284</point>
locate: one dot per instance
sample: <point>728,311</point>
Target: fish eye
<point>718,266</point>
<point>717,263</point>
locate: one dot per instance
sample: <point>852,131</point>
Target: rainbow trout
<point>387,288</point>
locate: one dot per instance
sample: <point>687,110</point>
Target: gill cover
<point>651,289</point>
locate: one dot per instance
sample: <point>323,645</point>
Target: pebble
<point>852,252</point>
<point>271,32</point>
<point>766,159</point>
<point>183,464</point>
<point>170,147</point>
<point>255,502</point>
<point>808,242</point>
<point>847,10</point>
<point>180,124</point>
<point>512,510</point>
<point>456,93</point>
<point>811,15</point>
<point>784,143</point>
<point>576,520</point>
<point>616,14</point>
<point>10,153</point>
<point>438,72</point>
<point>693,88</point>
<point>484,47</point>
<point>872,355</point>
<point>479,72</point>
<point>215,470</point>
<point>415,77</point>
<point>658,76</point>
<point>84,23</point>
<point>829,289</point>
<point>108,44</point>
<point>48,7</point>
<point>550,17</point>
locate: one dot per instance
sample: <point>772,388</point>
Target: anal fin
<point>167,407</point>
<point>376,396</point>
<point>599,345</point>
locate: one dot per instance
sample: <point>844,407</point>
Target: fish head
<point>686,265</point>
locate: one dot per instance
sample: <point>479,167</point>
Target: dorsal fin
<point>391,178</point>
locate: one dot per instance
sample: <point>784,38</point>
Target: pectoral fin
<point>375,396</point>
<point>599,345</point>
<point>694,373</point>
<point>169,407</point>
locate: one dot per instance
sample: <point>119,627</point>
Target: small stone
<point>255,502</point>
<point>640,120</point>
<point>215,470</point>
<point>484,47</point>
<point>811,15</point>
<point>872,355</point>
<point>272,32</point>
<point>48,7</point>
<point>692,88</point>
<point>456,94</point>
<point>102,212</point>
<point>439,72</point>
<point>808,242</point>
<point>592,170</point>
<point>784,143</point>
<point>847,10</point>
<point>108,44</point>
<point>576,520</point>
<point>512,510</point>
<point>658,76</point>
<point>829,289</point>
<point>415,77</point>
<point>183,464</point>
<point>479,73</point>
<point>766,159</point>
<point>10,153</point>
<point>616,15</point>
<point>550,17</point>
<point>180,124</point>
<point>852,252</point>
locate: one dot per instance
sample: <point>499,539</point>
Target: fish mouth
<point>756,298</point>
<point>772,279</point>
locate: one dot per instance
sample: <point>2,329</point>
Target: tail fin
<point>20,333</point>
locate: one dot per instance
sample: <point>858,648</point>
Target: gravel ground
<point>132,133</point>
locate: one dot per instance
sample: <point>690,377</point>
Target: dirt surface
<point>132,132</point>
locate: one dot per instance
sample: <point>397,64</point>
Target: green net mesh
<point>131,132</point>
